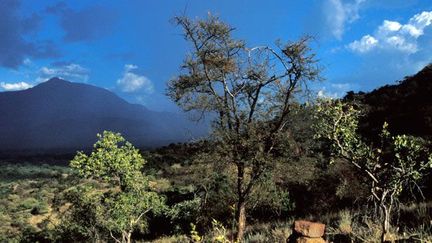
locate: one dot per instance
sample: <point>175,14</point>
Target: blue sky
<point>131,48</point>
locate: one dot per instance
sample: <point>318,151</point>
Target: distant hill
<point>407,106</point>
<point>61,115</point>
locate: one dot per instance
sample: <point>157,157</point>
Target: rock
<point>304,239</point>
<point>309,229</point>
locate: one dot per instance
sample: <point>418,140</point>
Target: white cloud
<point>322,93</point>
<point>392,35</point>
<point>130,67</point>
<point>365,44</point>
<point>337,18</point>
<point>412,30</point>
<point>15,86</point>
<point>388,27</point>
<point>334,90</point>
<point>421,20</point>
<point>341,87</point>
<point>339,13</point>
<point>27,62</point>
<point>132,82</point>
<point>70,72</point>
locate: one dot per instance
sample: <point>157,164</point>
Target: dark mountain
<point>61,115</point>
<point>407,106</point>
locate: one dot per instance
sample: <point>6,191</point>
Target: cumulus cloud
<point>85,24</point>
<point>15,86</point>
<point>334,90</point>
<point>64,70</point>
<point>392,35</point>
<point>339,13</point>
<point>14,28</point>
<point>322,93</point>
<point>365,44</point>
<point>132,82</point>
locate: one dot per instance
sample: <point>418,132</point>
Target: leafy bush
<point>184,213</point>
<point>28,203</point>
<point>123,205</point>
<point>40,208</point>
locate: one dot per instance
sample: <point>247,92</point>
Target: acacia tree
<point>249,93</point>
<point>391,165</point>
<point>122,204</point>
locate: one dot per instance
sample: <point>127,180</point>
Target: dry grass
<point>362,228</point>
<point>171,239</point>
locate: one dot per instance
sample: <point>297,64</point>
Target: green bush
<point>28,203</point>
<point>184,213</point>
<point>40,208</point>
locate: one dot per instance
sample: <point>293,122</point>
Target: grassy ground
<point>28,191</point>
<point>26,195</point>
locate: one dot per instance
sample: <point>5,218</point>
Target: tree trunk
<point>241,203</point>
<point>385,222</point>
<point>127,237</point>
<point>241,220</point>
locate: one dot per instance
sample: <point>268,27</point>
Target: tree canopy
<point>249,90</point>
<point>391,166</point>
<point>122,205</point>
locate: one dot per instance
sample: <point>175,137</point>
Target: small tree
<point>126,199</point>
<point>392,164</point>
<point>249,93</point>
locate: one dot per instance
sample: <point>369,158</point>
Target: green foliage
<point>391,165</point>
<point>28,203</point>
<point>40,208</point>
<point>113,160</point>
<point>185,212</point>
<point>27,193</point>
<point>338,122</point>
<point>83,220</point>
<point>271,199</point>
<point>122,206</point>
<point>126,211</point>
<point>26,171</point>
<point>219,232</point>
<point>194,235</point>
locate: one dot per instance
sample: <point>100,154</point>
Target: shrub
<point>345,222</point>
<point>40,208</point>
<point>123,205</point>
<point>184,213</point>
<point>28,203</point>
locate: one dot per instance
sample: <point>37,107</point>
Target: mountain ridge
<point>59,114</point>
<point>406,106</point>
